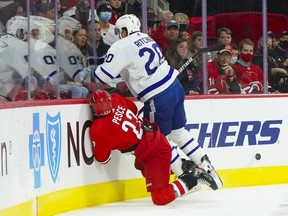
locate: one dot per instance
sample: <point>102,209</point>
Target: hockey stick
<point>200,51</point>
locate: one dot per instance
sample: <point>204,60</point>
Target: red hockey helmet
<point>101,102</point>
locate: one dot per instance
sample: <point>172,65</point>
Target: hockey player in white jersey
<point>13,55</point>
<point>73,71</point>
<point>44,56</point>
<point>140,62</point>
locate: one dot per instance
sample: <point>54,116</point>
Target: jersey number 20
<point>155,52</point>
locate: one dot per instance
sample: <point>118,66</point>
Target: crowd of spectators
<point>84,38</point>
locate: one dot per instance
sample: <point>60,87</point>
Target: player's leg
<point>192,149</point>
<point>182,186</point>
<point>187,143</point>
<point>160,110</point>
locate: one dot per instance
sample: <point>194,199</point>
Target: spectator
<point>101,50</point>
<point>195,42</point>
<point>250,75</point>
<point>72,69</point>
<point>119,8</point>
<point>82,10</point>
<point>222,79</point>
<point>177,54</point>
<point>46,9</point>
<point>235,53</point>
<point>183,20</point>
<point>279,55</point>
<point>104,12</point>
<point>80,40</point>
<point>141,64</point>
<point>136,9</point>
<point>7,12</point>
<point>101,47</point>
<point>195,45</point>
<point>224,36</point>
<point>272,35</point>
<point>260,45</point>
<point>151,19</point>
<point>170,33</point>
<point>142,139</point>
<point>273,69</point>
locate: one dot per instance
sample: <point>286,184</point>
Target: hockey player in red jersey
<point>142,138</point>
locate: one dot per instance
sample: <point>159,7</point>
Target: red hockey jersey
<point>217,82</point>
<point>120,130</point>
<point>251,77</point>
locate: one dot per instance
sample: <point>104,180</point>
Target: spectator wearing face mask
<point>280,56</point>
<point>104,12</point>
<point>273,69</point>
<point>250,75</point>
<point>235,53</point>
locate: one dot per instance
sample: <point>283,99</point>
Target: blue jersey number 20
<point>155,52</point>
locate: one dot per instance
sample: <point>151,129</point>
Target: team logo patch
<point>53,137</point>
<point>36,150</point>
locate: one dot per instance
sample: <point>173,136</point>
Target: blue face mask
<point>105,16</point>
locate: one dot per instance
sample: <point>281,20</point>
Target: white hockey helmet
<point>45,26</point>
<point>17,26</point>
<point>128,22</point>
<point>67,22</point>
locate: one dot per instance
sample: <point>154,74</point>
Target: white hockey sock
<point>187,144</point>
<point>176,162</point>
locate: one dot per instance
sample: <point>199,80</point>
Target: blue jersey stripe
<point>51,75</point>
<point>98,78</point>
<point>76,73</point>
<point>175,158</point>
<point>106,73</point>
<point>157,84</point>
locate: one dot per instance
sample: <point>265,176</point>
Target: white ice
<point>270,200</point>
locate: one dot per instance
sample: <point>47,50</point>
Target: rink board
<point>47,165</point>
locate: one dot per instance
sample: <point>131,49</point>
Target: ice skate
<point>209,169</point>
<point>197,179</point>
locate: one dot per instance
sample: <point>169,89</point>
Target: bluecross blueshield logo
<point>53,137</point>
<point>36,150</point>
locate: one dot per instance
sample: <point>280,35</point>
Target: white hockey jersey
<point>13,55</point>
<point>43,60</point>
<point>140,62</point>
<point>71,61</point>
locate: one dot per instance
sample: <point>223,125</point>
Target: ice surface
<point>270,200</point>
